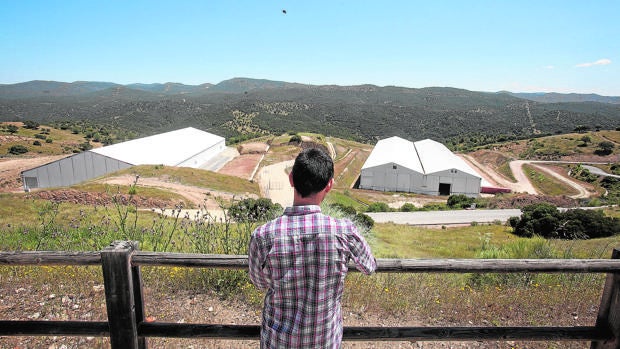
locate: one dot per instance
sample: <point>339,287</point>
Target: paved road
<point>451,217</point>
<point>597,171</point>
<point>444,217</point>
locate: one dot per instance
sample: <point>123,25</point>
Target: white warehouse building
<point>423,167</point>
<point>187,147</point>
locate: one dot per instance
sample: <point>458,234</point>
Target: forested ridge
<point>250,107</point>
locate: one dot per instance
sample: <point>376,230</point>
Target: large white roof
<point>426,156</point>
<point>397,150</point>
<point>170,148</point>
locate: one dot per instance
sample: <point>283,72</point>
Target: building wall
<point>204,156</point>
<point>392,177</point>
<point>71,170</point>
<point>460,182</point>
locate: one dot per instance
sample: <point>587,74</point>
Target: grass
<point>194,177</point>
<point>63,142</point>
<point>401,241</point>
<point>545,184</point>
<point>149,192</point>
<point>504,169</point>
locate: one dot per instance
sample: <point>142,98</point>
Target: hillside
<point>251,107</point>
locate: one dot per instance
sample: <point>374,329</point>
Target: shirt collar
<point>302,210</point>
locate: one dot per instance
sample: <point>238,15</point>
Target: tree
<point>12,129</point>
<point>32,125</point>
<point>586,139</point>
<point>581,128</point>
<point>605,148</point>
<point>18,149</point>
<point>547,221</point>
<point>254,210</point>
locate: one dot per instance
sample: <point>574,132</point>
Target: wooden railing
<point>127,328</point>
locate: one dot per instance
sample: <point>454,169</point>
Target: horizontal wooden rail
<point>50,258</point>
<point>46,328</point>
<point>400,265</point>
<point>140,258</point>
<point>238,332</point>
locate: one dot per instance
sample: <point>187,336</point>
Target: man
<point>301,258</point>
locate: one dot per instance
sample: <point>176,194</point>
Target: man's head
<point>312,172</point>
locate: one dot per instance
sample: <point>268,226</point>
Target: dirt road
<point>274,183</point>
<point>523,184</point>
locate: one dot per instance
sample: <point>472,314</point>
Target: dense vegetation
<point>239,107</point>
<point>547,221</point>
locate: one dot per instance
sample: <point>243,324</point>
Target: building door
<point>444,188</point>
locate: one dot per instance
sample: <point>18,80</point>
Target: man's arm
<point>360,252</point>
<point>256,261</point>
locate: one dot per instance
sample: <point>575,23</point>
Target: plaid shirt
<point>301,260</point>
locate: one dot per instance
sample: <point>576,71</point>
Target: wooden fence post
<point>608,318</point>
<point>123,295</point>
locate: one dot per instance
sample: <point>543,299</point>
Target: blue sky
<point>519,45</point>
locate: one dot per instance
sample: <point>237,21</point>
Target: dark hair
<point>312,171</point>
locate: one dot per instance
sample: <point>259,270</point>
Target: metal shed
<point>424,167</point>
<point>188,147</point>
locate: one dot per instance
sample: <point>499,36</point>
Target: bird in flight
<point>284,11</point>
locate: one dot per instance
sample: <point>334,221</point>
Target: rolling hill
<point>244,106</point>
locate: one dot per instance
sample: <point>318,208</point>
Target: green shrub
<point>18,149</point>
<point>460,201</point>
<point>364,221</point>
<point>407,207</point>
<point>545,220</point>
<point>254,210</point>
<point>346,209</point>
<point>378,207</point>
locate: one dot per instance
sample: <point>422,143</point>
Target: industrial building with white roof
<point>187,147</point>
<point>423,167</point>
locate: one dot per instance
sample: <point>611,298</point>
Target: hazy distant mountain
<point>171,88</point>
<point>38,88</point>
<point>553,97</point>
<point>243,85</point>
<point>244,106</point>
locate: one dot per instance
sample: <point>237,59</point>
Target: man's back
<point>301,260</point>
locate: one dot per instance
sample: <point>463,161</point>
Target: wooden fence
<point>126,327</point>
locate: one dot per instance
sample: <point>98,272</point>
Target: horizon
<point>485,46</point>
<point>293,82</point>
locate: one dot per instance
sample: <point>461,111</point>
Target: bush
<point>32,125</point>
<point>378,207</point>
<point>364,220</point>
<point>545,220</point>
<point>18,149</point>
<point>48,140</point>
<point>346,209</point>
<point>605,148</point>
<point>407,207</point>
<point>295,139</point>
<point>40,136</point>
<point>254,210</point>
<point>37,143</point>
<point>460,201</point>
